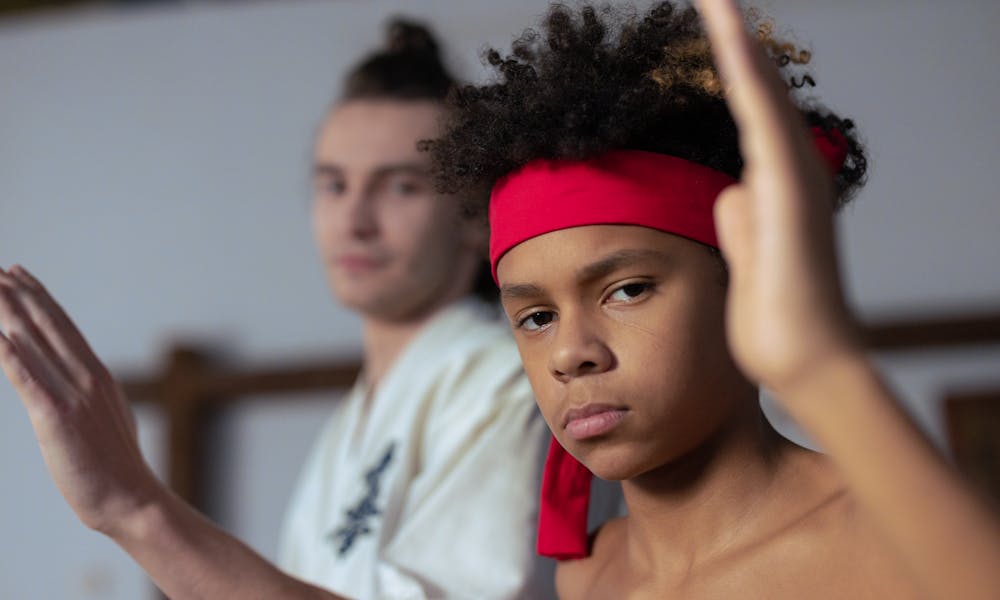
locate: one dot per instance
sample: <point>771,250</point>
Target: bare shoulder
<point>577,579</point>
<point>834,546</point>
<point>862,550</point>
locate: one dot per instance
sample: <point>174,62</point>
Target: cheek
<point>420,229</point>
<point>686,376</point>
<point>322,225</point>
<point>674,349</point>
<point>543,385</point>
<point>690,325</point>
<point>658,334</point>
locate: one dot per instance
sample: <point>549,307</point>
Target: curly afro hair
<point>597,79</point>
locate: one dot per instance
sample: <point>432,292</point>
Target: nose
<point>578,349</point>
<point>359,219</point>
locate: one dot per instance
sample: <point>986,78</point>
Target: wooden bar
<point>939,331</point>
<point>226,386</point>
<point>183,400</point>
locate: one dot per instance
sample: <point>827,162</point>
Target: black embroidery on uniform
<point>358,515</point>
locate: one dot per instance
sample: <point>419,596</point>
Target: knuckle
<point>35,284</point>
<point>90,383</point>
<point>45,321</point>
<point>24,379</point>
<point>96,380</point>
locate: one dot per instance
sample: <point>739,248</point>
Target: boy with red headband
<point>621,162</point>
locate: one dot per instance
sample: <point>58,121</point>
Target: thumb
<point>736,228</point>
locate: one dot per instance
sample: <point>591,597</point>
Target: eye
<point>630,292</point>
<point>406,188</point>
<point>403,185</point>
<point>336,187</point>
<point>331,187</point>
<point>536,321</point>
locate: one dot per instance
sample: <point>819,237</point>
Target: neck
<point>385,339</point>
<point>710,500</point>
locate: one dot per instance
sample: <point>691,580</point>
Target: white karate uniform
<point>429,489</point>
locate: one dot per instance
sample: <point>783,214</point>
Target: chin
<point>362,298</point>
<point>398,307</point>
<point>616,462</point>
<point>356,302</point>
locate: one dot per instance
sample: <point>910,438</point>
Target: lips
<point>358,262</point>
<point>593,420</point>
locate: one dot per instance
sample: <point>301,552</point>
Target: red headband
<point>622,187</point>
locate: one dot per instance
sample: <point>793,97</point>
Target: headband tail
<point>562,516</point>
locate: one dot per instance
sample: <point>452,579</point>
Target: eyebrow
<point>520,291</point>
<point>411,168</point>
<point>617,260</point>
<point>595,270</point>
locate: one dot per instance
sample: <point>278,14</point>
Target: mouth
<point>593,420</point>
<point>357,263</point>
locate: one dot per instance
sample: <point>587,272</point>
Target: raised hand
<point>786,311</point>
<point>87,436</point>
<point>790,330</point>
<point>80,415</point>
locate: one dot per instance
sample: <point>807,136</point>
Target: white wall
<point>153,170</point>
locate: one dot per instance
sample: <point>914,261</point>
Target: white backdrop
<point>153,170</point>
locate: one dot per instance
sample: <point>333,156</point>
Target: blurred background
<point>154,162</point>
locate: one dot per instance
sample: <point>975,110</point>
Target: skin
<point>787,328</point>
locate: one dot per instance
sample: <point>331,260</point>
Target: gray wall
<point>153,170</point>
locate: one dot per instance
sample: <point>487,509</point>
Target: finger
<point>36,395</point>
<point>60,331</point>
<point>29,342</point>
<point>88,374</point>
<point>22,323</point>
<point>736,229</point>
<point>758,98</point>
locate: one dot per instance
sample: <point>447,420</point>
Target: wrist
<point>139,515</point>
<point>824,379</point>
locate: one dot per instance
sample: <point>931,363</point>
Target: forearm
<point>190,558</point>
<point>944,532</point>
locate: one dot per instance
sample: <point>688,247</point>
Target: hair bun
<point>407,67</point>
<point>403,36</point>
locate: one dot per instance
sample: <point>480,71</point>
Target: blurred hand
<point>786,311</point>
<point>81,418</point>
